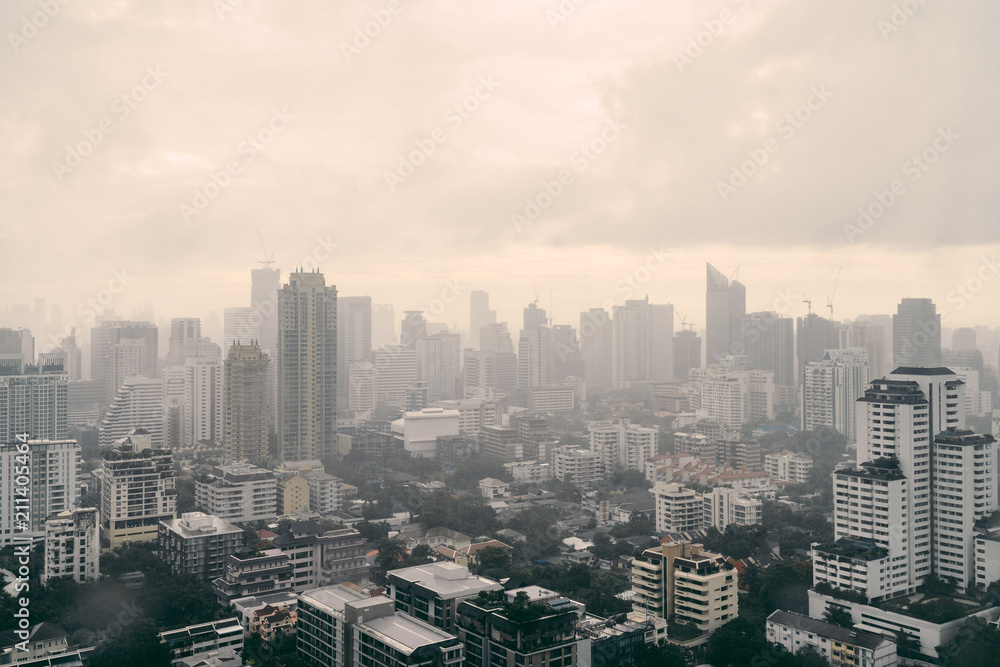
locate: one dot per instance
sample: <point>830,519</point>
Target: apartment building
<point>198,544</point>
<point>238,493</point>
<point>431,592</point>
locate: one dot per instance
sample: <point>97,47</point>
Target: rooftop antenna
<point>268,259</point>
<point>829,300</point>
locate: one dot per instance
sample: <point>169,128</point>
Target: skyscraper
<point>963,338</point>
<point>307,368</point>
<point>182,330</point>
<point>495,338</point>
<point>138,404</point>
<point>354,338</point>
<point>126,358</point>
<point>769,343</point>
<point>240,324</point>
<point>33,404</point>
<point>412,328</point>
<point>480,315</point>
<point>264,284</point>
<point>596,339</point>
<point>383,325</point>
<point>642,342</point>
<point>567,361</point>
<point>831,389</point>
<point>869,336</point>
<point>108,333</point>
<point>687,353</point>
<point>815,335</point>
<point>916,334</point>
<point>245,396</point>
<point>17,350</point>
<point>725,308</point>
<point>534,349</point>
<point>439,362</point>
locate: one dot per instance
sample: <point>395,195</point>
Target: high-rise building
<point>53,484</point>
<point>198,544</point>
<point>138,404</point>
<point>439,364</point>
<point>687,353</point>
<point>361,387</point>
<point>480,315</point>
<point>395,372</point>
<point>383,325</point>
<point>567,360</point>
<point>916,334</point>
<point>240,325</point>
<point>72,545</point>
<point>678,509</point>
<point>534,349</point>
<point>596,344</point>
<point>246,373</point>
<point>354,338</point>
<point>174,383</point>
<point>307,368</point>
<point>137,490</point>
<point>725,308</point>
<point>17,350</point>
<point>412,328</point>
<point>621,444</point>
<point>963,338</point>
<point>72,357</point>
<point>831,389</point>
<point>870,336</point>
<point>182,331</point>
<point>725,506</point>
<point>107,334</point>
<point>34,404</point>
<point>814,336</point>
<point>495,338</point>
<point>768,341</point>
<point>642,342</point>
<point>238,493</point>
<point>264,285</point>
<point>735,397</point>
<point>126,359</point>
<point>921,483</point>
<point>203,412</point>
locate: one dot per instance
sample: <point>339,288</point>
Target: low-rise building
<point>204,639</point>
<point>529,472</point>
<point>432,592</point>
<point>491,488</point>
<point>321,557</point>
<point>257,573</point>
<point>606,643</point>
<point>788,467</point>
<point>268,622</point>
<point>840,646</point>
<point>72,546</point>
<point>581,467</point>
<point>725,506</point>
<point>291,495</point>
<point>325,493</point>
<point>198,544</point>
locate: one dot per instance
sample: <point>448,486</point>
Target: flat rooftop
<point>446,580</point>
<point>405,632</point>
<point>332,597</point>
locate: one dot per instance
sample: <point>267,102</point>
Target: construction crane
<point>268,259</point>
<point>829,300</point>
<point>735,272</point>
<point>684,323</point>
<point>808,301</point>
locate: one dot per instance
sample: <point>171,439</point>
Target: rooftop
<point>861,638</point>
<point>199,524</point>
<point>332,597</point>
<point>446,580</point>
<point>405,632</point>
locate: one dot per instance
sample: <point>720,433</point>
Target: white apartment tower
<point>52,483</point>
<point>831,389</point>
<point>72,545</point>
<point>621,444</point>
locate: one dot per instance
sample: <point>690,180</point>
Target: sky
<point>417,150</point>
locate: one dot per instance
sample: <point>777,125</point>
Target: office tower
<point>182,331</point>
<point>687,353</point>
<point>109,333</point>
<point>240,325</point>
<point>264,285</point>
<point>126,359</point>
<point>963,338</point>
<point>480,315</point>
<point>361,389</point>
<point>496,634</point>
<point>916,334</point>
<point>395,372</point>
<point>870,336</point>
<point>83,399</point>
<point>138,404</point>
<point>831,389</point>
<point>567,361</point>
<point>596,342</point>
<point>52,484</point>
<point>203,414</point>
<point>247,378</point>
<point>173,389</point>
<point>768,342</point>
<point>197,544</point>
<point>17,350</point>
<point>534,349</point>
<point>484,372</point>
<point>924,479</point>
<point>239,492</point>
<point>814,336</point>
<point>439,364</point>
<point>412,328</point>
<point>307,368</point>
<point>725,308</point>
<point>622,444</point>
<point>495,338</point>
<point>134,463</point>
<point>33,404</point>
<point>383,325</point>
<point>354,338</point>
<point>72,546</point>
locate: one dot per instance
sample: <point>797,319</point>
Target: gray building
<point>198,544</point>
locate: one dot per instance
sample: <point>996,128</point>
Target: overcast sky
<point>114,116</point>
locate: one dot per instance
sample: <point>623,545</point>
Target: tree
<point>494,562</point>
<point>809,656</point>
<point>138,644</point>
<point>975,645</point>
<point>838,616</point>
<point>391,553</point>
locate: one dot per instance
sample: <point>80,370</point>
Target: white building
<point>133,464</point>
<point>788,467</point>
<point>325,492</point>
<point>439,363</point>
<point>72,545</point>
<point>238,493</point>
<point>138,404</point>
<point>361,389</point>
<point>492,488</point>
<point>532,472</point>
<point>35,404</point>
<point>622,444</point>
<point>840,646</point>
<point>577,466</point>
<point>240,324</point>
<point>678,509</point>
<point>395,372</point>
<point>550,398</point>
<point>725,506</point>
<point>418,430</point>
<point>203,416</point>
<point>51,482</point>
<point>473,413</point>
<point>831,389</point>
<point>734,397</point>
